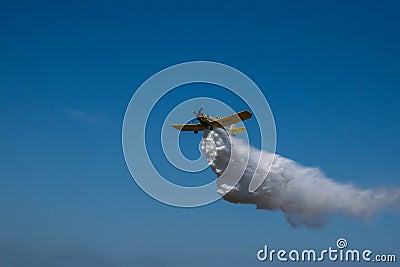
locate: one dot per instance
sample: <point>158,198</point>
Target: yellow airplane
<point>209,122</point>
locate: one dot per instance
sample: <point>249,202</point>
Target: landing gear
<point>196,131</point>
<point>211,128</point>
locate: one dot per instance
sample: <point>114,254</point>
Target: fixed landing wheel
<point>196,131</point>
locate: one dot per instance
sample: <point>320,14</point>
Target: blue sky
<point>329,70</point>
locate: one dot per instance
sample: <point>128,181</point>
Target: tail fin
<point>234,130</point>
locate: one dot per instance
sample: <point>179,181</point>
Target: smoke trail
<point>305,195</point>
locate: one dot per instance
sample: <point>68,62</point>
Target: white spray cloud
<point>305,195</point>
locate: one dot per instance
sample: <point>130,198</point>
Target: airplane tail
<point>234,130</point>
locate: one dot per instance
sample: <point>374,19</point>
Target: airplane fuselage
<point>209,121</point>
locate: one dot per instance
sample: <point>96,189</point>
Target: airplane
<point>208,122</point>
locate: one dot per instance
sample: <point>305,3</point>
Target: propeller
<point>199,113</point>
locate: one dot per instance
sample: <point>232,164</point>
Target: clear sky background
<point>329,69</point>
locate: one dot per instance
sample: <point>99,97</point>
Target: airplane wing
<point>189,127</point>
<point>234,118</point>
